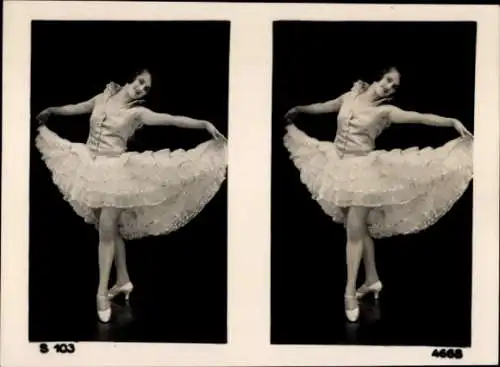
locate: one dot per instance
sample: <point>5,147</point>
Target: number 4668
<point>448,353</point>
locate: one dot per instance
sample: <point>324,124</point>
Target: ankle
<point>372,279</point>
<point>350,292</point>
<point>102,293</point>
<point>122,280</point>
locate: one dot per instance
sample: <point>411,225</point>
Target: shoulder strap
<point>359,87</point>
<point>112,88</point>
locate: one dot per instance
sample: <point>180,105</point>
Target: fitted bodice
<point>357,127</point>
<point>110,127</point>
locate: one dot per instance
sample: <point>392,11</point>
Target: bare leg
<point>122,276</point>
<point>107,234</point>
<point>369,260</point>
<point>356,232</point>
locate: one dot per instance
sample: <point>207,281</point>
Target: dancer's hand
<point>43,116</point>
<point>214,132</point>
<point>291,115</point>
<point>462,130</point>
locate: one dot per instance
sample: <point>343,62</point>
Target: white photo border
<point>248,188</point>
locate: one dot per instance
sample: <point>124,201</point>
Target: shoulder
<point>109,90</point>
<point>146,115</point>
<point>345,96</point>
<point>388,109</point>
<point>112,88</point>
<point>359,87</point>
<point>99,97</point>
<point>385,113</point>
<point>139,111</point>
<point>136,116</point>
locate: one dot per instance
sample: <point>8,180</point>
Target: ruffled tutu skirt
<point>158,192</point>
<point>407,190</point>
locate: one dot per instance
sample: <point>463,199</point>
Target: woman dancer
<point>377,193</point>
<point>129,195</point>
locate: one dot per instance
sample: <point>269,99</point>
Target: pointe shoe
<point>126,289</point>
<point>352,314</point>
<point>103,308</point>
<point>374,288</point>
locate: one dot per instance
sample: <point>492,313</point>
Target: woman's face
<point>388,85</point>
<point>140,86</point>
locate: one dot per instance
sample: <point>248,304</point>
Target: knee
<point>356,231</point>
<point>107,228</point>
<point>106,234</point>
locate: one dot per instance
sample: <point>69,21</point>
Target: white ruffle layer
<point>408,190</point>
<point>158,192</point>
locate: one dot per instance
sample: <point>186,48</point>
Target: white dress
<point>407,190</point>
<point>158,191</point>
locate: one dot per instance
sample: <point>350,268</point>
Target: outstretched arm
<point>399,116</point>
<point>316,108</point>
<point>67,110</point>
<point>74,109</point>
<point>322,107</point>
<point>148,117</point>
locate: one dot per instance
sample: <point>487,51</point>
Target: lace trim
<point>408,189</point>
<point>160,191</point>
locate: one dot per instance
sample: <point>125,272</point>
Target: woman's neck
<point>122,96</point>
<point>371,96</point>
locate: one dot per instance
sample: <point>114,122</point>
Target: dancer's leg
<point>122,276</point>
<point>356,233</point>
<point>356,230</point>
<point>371,273</point>
<point>107,238</point>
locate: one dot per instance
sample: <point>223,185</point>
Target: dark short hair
<point>128,76</point>
<point>387,70</point>
<point>138,72</point>
<point>371,75</point>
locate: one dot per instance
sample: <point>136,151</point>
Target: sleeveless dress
<point>158,192</point>
<point>407,190</point>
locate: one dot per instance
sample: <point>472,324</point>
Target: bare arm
<point>322,107</point>
<point>148,117</point>
<point>68,110</point>
<point>74,109</point>
<point>331,106</point>
<point>399,116</point>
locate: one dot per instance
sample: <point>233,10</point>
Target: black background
<point>427,276</point>
<point>180,279</point>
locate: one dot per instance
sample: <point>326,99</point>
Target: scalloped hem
<point>157,192</point>
<point>408,190</point>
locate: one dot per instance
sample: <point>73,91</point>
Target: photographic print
<point>127,181</point>
<point>234,184</point>
<point>372,182</point>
